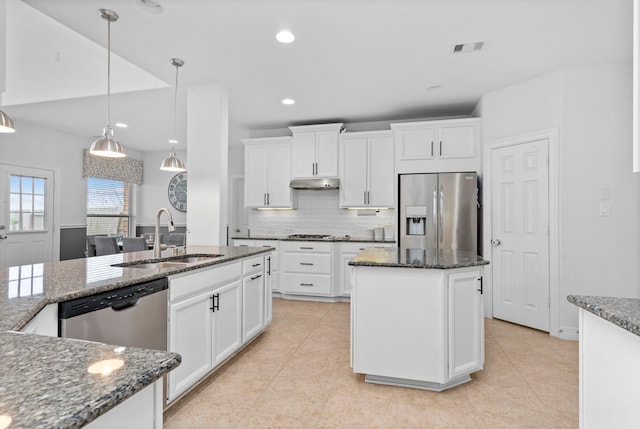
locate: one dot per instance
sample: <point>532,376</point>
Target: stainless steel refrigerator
<point>439,211</point>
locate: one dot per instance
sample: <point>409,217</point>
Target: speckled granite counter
<point>624,312</point>
<point>45,383</point>
<point>340,239</point>
<point>415,258</point>
<point>25,290</point>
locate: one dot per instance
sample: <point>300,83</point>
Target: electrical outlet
<point>604,209</point>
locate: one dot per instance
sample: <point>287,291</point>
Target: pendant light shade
<point>6,124</point>
<point>107,146</point>
<point>173,163</point>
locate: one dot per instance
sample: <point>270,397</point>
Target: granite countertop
<point>45,383</point>
<point>25,290</point>
<point>415,258</point>
<point>332,238</point>
<point>624,312</point>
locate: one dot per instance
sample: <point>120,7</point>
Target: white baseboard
<point>568,333</point>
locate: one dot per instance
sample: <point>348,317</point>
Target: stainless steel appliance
<point>439,211</point>
<point>133,316</point>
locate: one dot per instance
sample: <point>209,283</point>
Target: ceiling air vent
<point>468,47</point>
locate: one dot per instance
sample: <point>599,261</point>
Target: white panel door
<point>26,215</point>
<point>520,233</point>
<point>327,154</point>
<point>380,174</point>
<point>353,185</point>
<point>278,175</point>
<point>227,321</point>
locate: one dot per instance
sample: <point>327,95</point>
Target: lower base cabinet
<point>213,312</point>
<point>421,328</point>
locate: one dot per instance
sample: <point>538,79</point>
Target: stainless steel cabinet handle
<point>306,248</point>
<point>255,265</point>
<point>432,148</point>
<point>364,198</point>
<point>306,263</point>
<point>440,154</point>
<point>268,202</point>
<point>306,284</point>
<point>257,276</point>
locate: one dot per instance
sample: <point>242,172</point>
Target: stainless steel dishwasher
<point>132,316</point>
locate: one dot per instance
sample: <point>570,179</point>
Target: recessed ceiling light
<point>285,36</point>
<point>151,6</point>
<point>121,125</point>
<point>288,101</point>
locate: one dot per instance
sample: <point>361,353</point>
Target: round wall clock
<point>177,191</point>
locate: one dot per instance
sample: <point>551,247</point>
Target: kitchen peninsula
<point>417,317</point>
<point>47,381</point>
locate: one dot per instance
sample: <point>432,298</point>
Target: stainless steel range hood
<point>315,184</point>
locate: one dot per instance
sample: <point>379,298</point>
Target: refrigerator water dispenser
<point>416,220</point>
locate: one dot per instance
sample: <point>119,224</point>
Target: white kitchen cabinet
<point>366,169</point>
<point>227,321</point>
<point>346,252</point>
<point>307,268</point>
<point>437,146</point>
<point>314,150</point>
<point>268,173</point>
<point>418,328</point>
<point>274,261</point>
<point>253,297</point>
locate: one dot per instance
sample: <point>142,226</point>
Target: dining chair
<point>134,244</point>
<point>106,246</point>
<point>91,244</point>
<point>176,239</point>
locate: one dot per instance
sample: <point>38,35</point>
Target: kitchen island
<point>609,353</point>
<point>417,317</point>
<point>47,381</point>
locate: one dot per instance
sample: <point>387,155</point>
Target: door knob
<point>2,227</point>
<point>496,242</point>
<point>3,236</point>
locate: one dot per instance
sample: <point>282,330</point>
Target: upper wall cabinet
<point>366,169</point>
<point>314,150</point>
<point>267,173</point>
<point>437,146</point>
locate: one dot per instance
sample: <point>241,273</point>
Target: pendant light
<point>6,124</point>
<point>107,146</point>
<point>173,163</point>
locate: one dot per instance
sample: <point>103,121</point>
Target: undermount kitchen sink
<point>169,262</point>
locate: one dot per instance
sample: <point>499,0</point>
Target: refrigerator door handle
<point>440,218</point>
<point>435,214</point>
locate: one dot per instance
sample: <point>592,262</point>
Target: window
<point>107,207</point>
<point>27,202</point>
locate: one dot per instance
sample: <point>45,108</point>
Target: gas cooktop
<point>310,236</point>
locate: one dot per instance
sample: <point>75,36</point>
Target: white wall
<point>32,146</point>
<point>152,194</point>
<point>591,107</point>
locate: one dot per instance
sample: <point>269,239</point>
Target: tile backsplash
<point>318,212</point>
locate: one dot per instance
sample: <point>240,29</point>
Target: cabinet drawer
<point>359,247</point>
<point>243,243</point>
<point>307,247</point>
<point>306,284</point>
<point>188,283</point>
<point>266,243</point>
<point>308,263</point>
<point>252,265</point>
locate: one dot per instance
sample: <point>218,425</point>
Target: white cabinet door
<point>466,323</point>
<point>255,179</point>
<point>190,336</point>
<point>278,175</point>
<point>344,274</point>
<point>327,154</point>
<point>415,144</point>
<point>353,180</point>
<point>252,306</point>
<point>303,155</point>
<point>380,172</point>
<point>457,142</point>
<point>227,321</point>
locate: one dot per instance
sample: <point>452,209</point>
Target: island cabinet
<point>267,166</point>
<point>417,327</point>
<point>437,146</point>
<point>366,169</point>
<point>314,150</point>
<point>308,268</point>
<point>213,312</point>
<point>273,266</point>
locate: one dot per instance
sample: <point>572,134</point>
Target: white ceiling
<point>352,60</point>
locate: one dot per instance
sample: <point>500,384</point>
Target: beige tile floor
<point>297,375</point>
